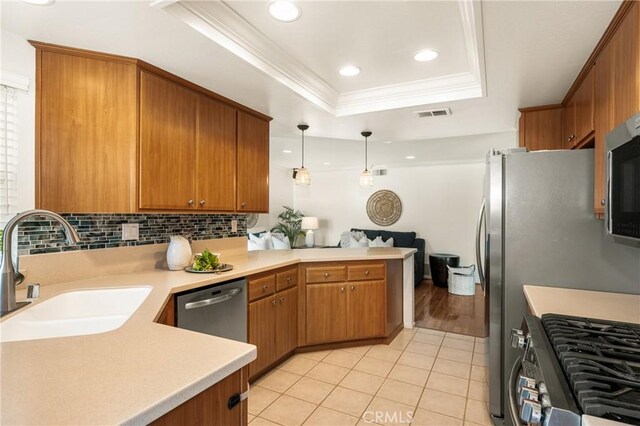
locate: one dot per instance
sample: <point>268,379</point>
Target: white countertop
<point>142,370</point>
<point>583,303</point>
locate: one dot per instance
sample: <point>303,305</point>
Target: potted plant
<point>289,224</point>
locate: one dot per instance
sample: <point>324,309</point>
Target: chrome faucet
<point>9,275</point>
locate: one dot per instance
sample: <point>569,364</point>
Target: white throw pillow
<point>256,244</point>
<point>377,242</point>
<point>280,241</point>
<point>264,239</point>
<point>345,237</point>
<point>358,239</point>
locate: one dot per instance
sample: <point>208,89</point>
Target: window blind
<point>8,152</point>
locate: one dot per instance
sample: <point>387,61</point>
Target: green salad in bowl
<point>206,261</point>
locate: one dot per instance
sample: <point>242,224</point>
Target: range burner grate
<point>601,360</point>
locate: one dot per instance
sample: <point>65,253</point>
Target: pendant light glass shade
<point>366,178</point>
<point>302,174</point>
<point>303,177</point>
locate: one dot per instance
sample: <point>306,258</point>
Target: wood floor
<point>437,309</point>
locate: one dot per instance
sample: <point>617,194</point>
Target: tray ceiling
<point>378,37</point>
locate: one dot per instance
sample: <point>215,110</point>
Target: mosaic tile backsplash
<point>98,231</point>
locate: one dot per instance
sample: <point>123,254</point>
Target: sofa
<point>405,240</point>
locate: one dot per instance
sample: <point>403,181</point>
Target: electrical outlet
<point>234,225</point>
<point>130,232</point>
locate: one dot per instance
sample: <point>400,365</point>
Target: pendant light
<point>302,174</point>
<point>366,178</point>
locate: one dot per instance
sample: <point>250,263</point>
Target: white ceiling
<point>533,51</point>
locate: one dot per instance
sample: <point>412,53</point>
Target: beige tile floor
<point>424,377</point>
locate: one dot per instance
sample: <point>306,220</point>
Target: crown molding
<point>220,23</point>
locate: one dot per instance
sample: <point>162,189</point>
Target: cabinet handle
<point>264,288</point>
<point>366,272</point>
<point>273,302</point>
<point>243,205</point>
<point>353,288</point>
<point>190,202</point>
<point>602,202</point>
<point>326,275</point>
<point>281,299</point>
<point>288,279</point>
<point>202,203</point>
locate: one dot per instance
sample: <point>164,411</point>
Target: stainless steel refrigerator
<point>537,227</point>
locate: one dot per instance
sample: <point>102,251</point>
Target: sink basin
<point>75,313</point>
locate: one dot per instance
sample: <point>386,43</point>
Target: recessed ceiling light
<point>284,10</point>
<point>425,55</point>
<point>410,157</point>
<point>349,70</point>
<point>40,2</point>
<point>326,163</point>
<point>287,151</point>
<point>388,142</point>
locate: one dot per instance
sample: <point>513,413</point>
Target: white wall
<point>280,194</point>
<point>18,57</point>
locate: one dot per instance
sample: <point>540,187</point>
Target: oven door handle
<point>513,404</point>
<point>220,298</point>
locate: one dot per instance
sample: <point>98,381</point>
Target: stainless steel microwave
<point>622,202</point>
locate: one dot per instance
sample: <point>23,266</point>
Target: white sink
<point>75,313</point>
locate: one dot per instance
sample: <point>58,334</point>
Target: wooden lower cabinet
<point>366,309</point>
<point>326,313</point>
<point>210,406</point>
<point>273,323</point>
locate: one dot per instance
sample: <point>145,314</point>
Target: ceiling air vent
<point>380,172</point>
<point>434,113</point>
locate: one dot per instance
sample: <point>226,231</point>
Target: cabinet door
<point>215,158</point>
<point>262,320</point>
<point>569,123</point>
<point>286,322</point>
<point>541,129</point>
<point>627,66</point>
<point>167,144</point>
<point>603,120</point>
<point>86,134</point>
<point>584,109</point>
<point>253,164</point>
<point>326,313</point>
<point>366,309</point>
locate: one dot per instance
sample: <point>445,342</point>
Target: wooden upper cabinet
<point>167,144</point>
<point>584,98</point>
<point>252,164</point>
<point>627,66</point>
<point>85,133</point>
<point>603,120</point>
<point>569,123</point>
<point>215,159</point>
<point>541,128</point>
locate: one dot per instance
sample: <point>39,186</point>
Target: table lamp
<point>309,223</point>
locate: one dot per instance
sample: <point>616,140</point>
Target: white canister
<point>179,253</point>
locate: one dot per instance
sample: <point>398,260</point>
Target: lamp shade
<point>309,222</point>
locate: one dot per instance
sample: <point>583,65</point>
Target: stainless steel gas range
<point>575,371</point>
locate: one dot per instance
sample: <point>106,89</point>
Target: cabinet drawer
<point>261,287</point>
<point>286,279</point>
<point>366,272</point>
<point>325,274</point>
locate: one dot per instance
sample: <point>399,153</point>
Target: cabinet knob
<point>288,279</point>
<point>264,288</point>
<point>273,302</point>
<point>602,202</point>
<point>353,288</point>
<point>281,299</point>
<point>190,202</point>
<point>243,205</point>
<point>342,289</point>
<point>326,275</point>
<point>202,203</point>
<point>366,272</point>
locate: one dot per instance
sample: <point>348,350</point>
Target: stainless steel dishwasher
<point>219,310</point>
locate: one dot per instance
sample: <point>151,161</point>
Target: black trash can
<point>438,263</point>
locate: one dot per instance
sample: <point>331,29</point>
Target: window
<point>8,153</point>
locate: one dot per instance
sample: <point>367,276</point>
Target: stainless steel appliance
<point>622,202</point>
<point>575,371</point>
<point>538,227</point>
<point>219,310</point>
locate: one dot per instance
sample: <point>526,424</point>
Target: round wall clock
<point>384,208</point>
